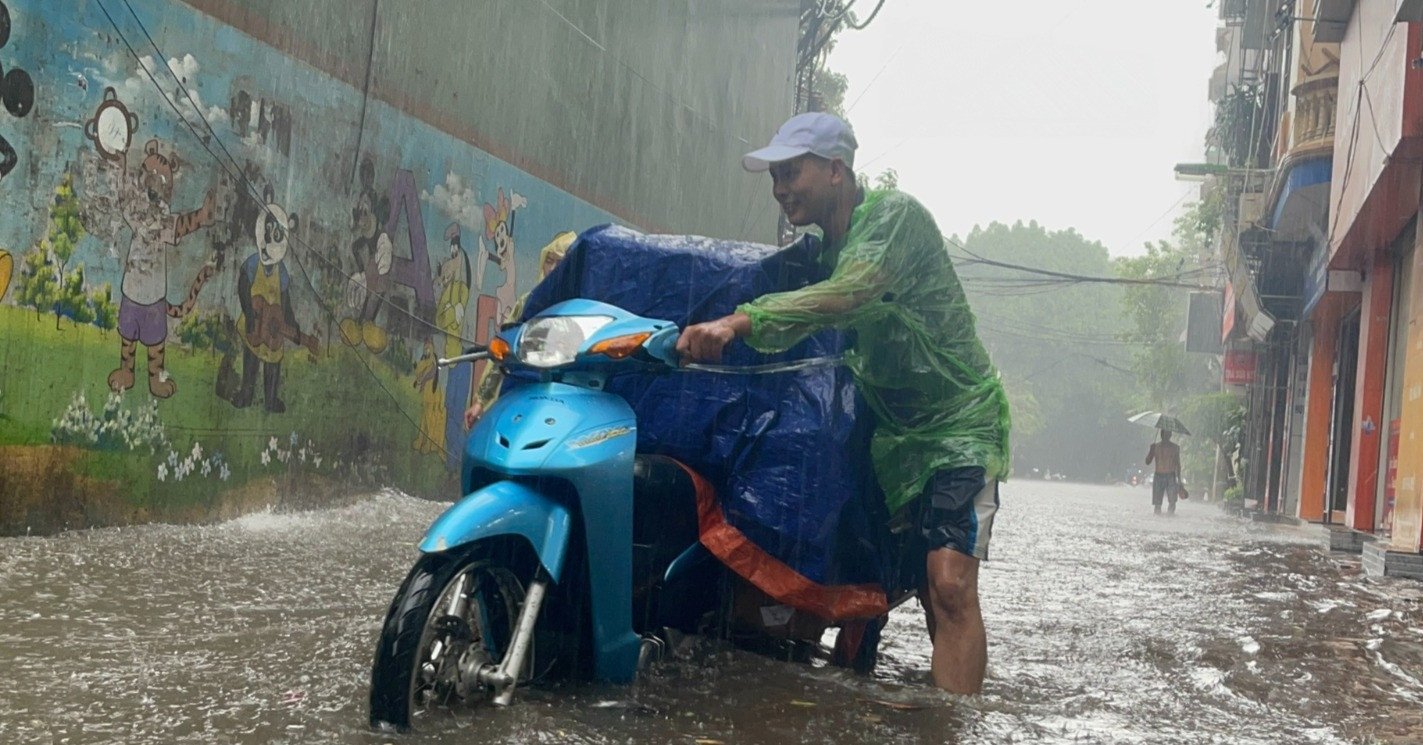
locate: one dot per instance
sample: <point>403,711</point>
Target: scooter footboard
<point>505,508</point>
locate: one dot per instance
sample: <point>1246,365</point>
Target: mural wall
<point>225,274</point>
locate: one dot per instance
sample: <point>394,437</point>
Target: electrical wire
<point>1078,277</point>
<point>241,178</point>
<point>868,21</point>
<point>237,174</point>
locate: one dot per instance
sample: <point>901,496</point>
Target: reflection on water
<point>1106,624</point>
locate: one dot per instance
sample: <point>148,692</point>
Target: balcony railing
<point>1315,106</point>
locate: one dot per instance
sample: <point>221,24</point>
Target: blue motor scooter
<point>569,551</point>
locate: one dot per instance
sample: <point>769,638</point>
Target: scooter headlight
<point>555,340</point>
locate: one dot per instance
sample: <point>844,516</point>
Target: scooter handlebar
<point>471,356</point>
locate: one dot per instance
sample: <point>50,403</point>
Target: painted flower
<point>293,439</point>
<point>162,471</point>
<point>207,468</point>
<point>272,443</point>
<point>223,473</point>
<point>266,457</point>
<point>316,461</point>
<point>197,451</point>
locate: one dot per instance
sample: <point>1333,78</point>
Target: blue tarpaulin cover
<point>787,452</point>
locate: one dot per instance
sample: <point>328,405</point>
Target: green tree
<point>205,331</point>
<point>821,22</point>
<point>1216,421</point>
<point>73,301</point>
<point>886,179</point>
<point>44,284</point>
<point>1167,374</point>
<point>1169,378</point>
<point>106,313</point>
<point>65,229</point>
<point>1055,343</point>
<point>38,287</point>
<point>828,90</point>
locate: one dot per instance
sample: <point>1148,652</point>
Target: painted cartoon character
<point>373,253</point>
<point>456,277</point>
<point>431,437</point>
<point>491,378</point>
<point>268,322</point>
<point>454,281</point>
<point>17,95</point>
<point>499,228</point>
<point>144,309</point>
<point>7,268</point>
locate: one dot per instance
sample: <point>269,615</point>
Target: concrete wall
<point>228,281</point>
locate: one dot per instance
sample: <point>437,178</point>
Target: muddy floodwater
<point>1106,625</point>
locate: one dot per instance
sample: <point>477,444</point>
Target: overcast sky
<point>1071,113</point>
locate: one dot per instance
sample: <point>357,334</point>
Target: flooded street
<point>1106,625</point>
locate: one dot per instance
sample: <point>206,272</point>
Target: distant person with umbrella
<point>1167,480</point>
<point>1166,455</point>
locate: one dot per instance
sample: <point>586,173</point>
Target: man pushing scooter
<point>941,439</point>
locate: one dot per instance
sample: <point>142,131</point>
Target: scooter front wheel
<point>453,617</point>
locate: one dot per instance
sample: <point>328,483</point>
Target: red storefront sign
<point>1239,366</point>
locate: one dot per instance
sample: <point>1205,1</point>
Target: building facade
<point>1335,439</point>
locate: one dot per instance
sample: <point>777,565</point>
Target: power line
<point>241,178</point>
<point>868,21</point>
<point>977,259</point>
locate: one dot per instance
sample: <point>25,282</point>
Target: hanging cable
<point>868,21</point>
<point>241,178</point>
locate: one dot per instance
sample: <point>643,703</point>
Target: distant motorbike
<point>571,556</point>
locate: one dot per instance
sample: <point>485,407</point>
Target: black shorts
<point>956,511</point>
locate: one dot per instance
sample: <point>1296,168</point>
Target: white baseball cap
<point>816,132</point>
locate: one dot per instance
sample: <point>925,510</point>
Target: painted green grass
<point>351,414</point>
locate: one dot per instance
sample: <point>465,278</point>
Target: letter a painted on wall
<point>413,272</point>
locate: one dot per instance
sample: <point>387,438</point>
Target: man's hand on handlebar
<point>472,415</point>
<point>704,342</point>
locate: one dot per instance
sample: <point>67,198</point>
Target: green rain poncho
<point>917,357</point>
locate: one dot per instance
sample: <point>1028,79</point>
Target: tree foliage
<point>48,283</point>
<point>207,331</point>
<point>886,179</point>
<point>821,22</point>
<point>1166,372</point>
<point>827,90</point>
<point>1055,344</point>
<point>1170,379</point>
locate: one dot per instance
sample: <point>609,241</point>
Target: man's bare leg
<point>955,622</point>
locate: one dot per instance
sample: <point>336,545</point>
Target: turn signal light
<point>619,347</point>
<point>498,349</point>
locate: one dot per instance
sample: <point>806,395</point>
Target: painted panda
<point>268,321</point>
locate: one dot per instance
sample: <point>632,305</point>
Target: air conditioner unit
<point>1252,208</point>
<point>1232,10</point>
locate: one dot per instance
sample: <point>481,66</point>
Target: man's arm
<point>893,239</point>
<point>1150,453</point>
<point>821,305</point>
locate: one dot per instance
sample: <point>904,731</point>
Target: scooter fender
<point>505,508</point>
